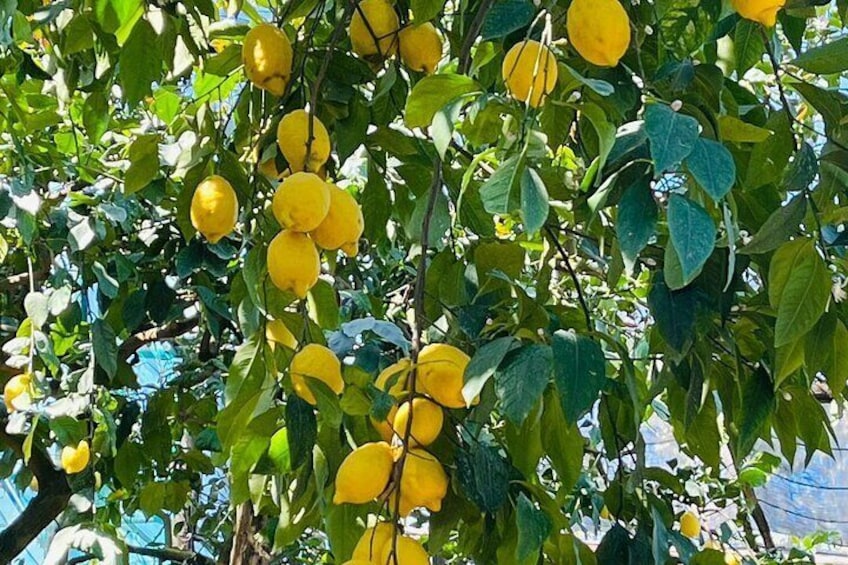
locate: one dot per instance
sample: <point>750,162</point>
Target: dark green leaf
<point>579,372</point>
<point>425,10</point>
<point>140,63</point>
<point>748,45</point>
<point>534,201</point>
<point>829,58</point>
<point>674,312</point>
<point>495,192</point>
<point>692,233</point>
<point>521,379</point>
<point>483,476</point>
<point>672,136</point>
<point>483,366</point>
<point>636,220</point>
<point>780,226</point>
<point>105,348</point>
<point>534,527</point>
<point>505,17</point>
<point>713,167</point>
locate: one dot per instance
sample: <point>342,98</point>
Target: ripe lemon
<point>423,482</point>
<point>301,202</point>
<point>214,208</point>
<point>690,525</point>
<point>393,378</point>
<point>599,30</point>
<point>293,262</point>
<point>370,545</point>
<point>441,374</point>
<point>732,558</point>
<point>320,363</point>
<point>75,459</point>
<point>293,139</point>
<point>427,420</point>
<point>15,387</point>
<point>762,11</point>
<point>382,25</point>
<point>409,552</point>
<point>364,474</point>
<point>384,428</point>
<point>267,57</point>
<point>268,169</point>
<point>343,224</point>
<point>277,332</point>
<point>530,72</point>
<point>420,47</point>
<point>358,562</point>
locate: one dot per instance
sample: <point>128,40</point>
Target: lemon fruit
<point>426,422</point>
<point>214,208</point>
<point>420,47</point>
<point>762,11</point>
<point>293,262</point>
<point>293,139</point>
<point>364,474</point>
<point>301,202</point>
<point>75,459</point>
<point>409,552</point>
<point>393,378</point>
<point>370,545</point>
<point>317,362</point>
<point>268,169</point>
<point>343,225</point>
<point>15,387</point>
<point>599,30</point>
<point>384,428</point>
<point>690,525</point>
<point>373,29</point>
<point>267,56</point>
<point>276,332</point>
<point>423,482</point>
<point>441,374</point>
<point>530,72</point>
<point>358,562</point>
<point>732,558</point>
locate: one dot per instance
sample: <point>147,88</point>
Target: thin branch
<point>142,338</point>
<point>160,553</point>
<point>471,35</point>
<point>567,260</point>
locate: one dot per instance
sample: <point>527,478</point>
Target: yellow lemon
<point>364,474</point>
<point>392,379</point>
<point>343,224</point>
<point>530,72</point>
<point>293,139</point>
<point>277,332</point>
<point>373,29</point>
<point>301,202</point>
<point>358,562</point>
<point>409,552</point>
<point>732,558</point>
<point>690,525</point>
<point>370,545</point>
<point>15,387</point>
<point>762,11</point>
<point>384,428</point>
<point>317,362</point>
<point>599,30</point>
<point>293,262</point>
<point>268,169</point>
<point>426,422</point>
<point>267,57</point>
<point>214,208</point>
<point>423,482</point>
<point>441,374</point>
<point>605,513</point>
<point>420,47</point>
<point>75,459</point>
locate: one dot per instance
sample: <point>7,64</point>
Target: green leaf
<point>563,443</point>
<point>105,349</point>
<point>505,17</point>
<point>735,130</point>
<point>343,530</point>
<point>323,305</point>
<point>483,365</point>
<point>426,10</point>
<point>432,93</point>
<point>770,157</point>
<point>636,220</point>
<point>672,136</point>
<point>659,538</point>
<point>302,430</point>
<point>483,476</point>
<point>757,405</point>
<point>708,557</point>
<point>605,129</point>
<point>140,63</point>
<point>778,228</point>
<point>521,379</point>
<point>748,45</point>
<point>533,526</point>
<point>829,58</point>
<point>799,288</point>
<point>152,498</point>
<point>128,462</point>
<point>692,231</point>
<point>534,201</point>
<point>144,163</point>
<point>495,192</point>
<point>803,171</point>
<point>95,115</point>
<point>713,167</point>
<point>579,372</point>
<point>37,308</point>
<point>279,452</point>
<point>674,312</point>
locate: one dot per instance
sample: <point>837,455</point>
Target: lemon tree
<point>405,282</point>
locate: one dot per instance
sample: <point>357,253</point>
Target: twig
<point>567,260</point>
<point>471,35</point>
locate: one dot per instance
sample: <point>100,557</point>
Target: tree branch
<point>567,260</point>
<point>142,338</point>
<point>471,35</point>
<point>161,553</point>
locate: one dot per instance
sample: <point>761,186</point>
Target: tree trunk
<point>247,549</point>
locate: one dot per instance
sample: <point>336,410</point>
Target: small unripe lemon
<point>427,421</point>
<point>441,374</point>
<point>343,224</point>
<point>690,525</point>
<point>293,262</point>
<point>409,552</point>
<point>277,332</point>
<point>383,23</point>
<point>762,11</point>
<point>370,545</point>
<point>599,30</point>
<point>530,72</point>
<point>423,482</point>
<point>301,202</point>
<point>420,47</point>
<point>75,459</point>
<point>317,362</point>
<point>364,474</point>
<point>15,387</point>
<point>267,57</point>
<point>214,208</point>
<point>293,139</point>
